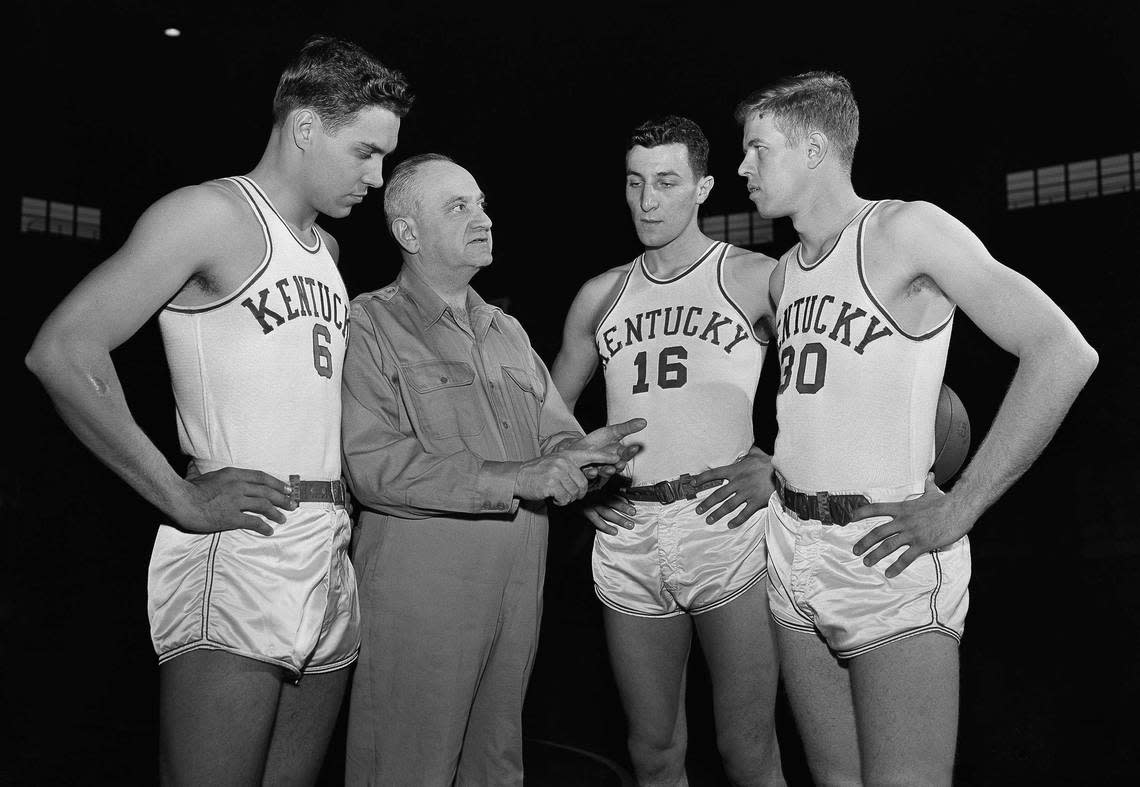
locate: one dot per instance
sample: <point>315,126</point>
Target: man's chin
<point>336,211</point>
<point>481,258</point>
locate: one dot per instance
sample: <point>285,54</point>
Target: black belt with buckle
<point>683,488</point>
<point>317,491</point>
<point>827,508</point>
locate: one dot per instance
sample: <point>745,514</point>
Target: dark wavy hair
<point>337,79</point>
<point>674,129</point>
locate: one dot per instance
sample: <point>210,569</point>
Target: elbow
<point>1076,358</point>
<point>1087,358</point>
<point>39,358</point>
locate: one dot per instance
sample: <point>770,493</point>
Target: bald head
<point>402,192</point>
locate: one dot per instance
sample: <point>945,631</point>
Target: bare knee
<point>658,757</point>
<point>752,758</point>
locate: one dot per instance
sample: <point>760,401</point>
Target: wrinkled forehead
<point>659,159</point>
<point>442,182</point>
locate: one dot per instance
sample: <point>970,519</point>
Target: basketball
<point>951,436</point>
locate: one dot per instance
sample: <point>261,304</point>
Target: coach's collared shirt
<point>437,416</point>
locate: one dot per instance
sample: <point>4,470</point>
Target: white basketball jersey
<point>256,374</point>
<point>857,394</point>
<point>682,355</point>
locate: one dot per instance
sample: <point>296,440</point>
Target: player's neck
<point>666,261</point>
<point>824,217</point>
<point>274,178</point>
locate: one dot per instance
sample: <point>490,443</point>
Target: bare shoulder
<point>216,234</point>
<point>912,224</point>
<point>748,267</point>
<point>776,280</point>
<point>595,296</point>
<point>607,280</point>
<point>330,242</point>
<point>746,277</point>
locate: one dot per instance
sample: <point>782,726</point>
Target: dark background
<point>537,102</point>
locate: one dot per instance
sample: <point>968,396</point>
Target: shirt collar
<point>431,307</point>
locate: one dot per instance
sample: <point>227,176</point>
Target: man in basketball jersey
<point>252,600</point>
<point>678,333</point>
<point>864,305</point>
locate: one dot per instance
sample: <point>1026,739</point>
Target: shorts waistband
<point>664,492</point>
<point>317,491</point>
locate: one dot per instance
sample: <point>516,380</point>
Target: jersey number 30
<point>670,372</point>
<point>788,360</point>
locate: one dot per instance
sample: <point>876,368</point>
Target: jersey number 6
<point>670,373</point>
<point>322,358</point>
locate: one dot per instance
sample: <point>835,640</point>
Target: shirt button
<point>443,379</point>
<point>506,425</point>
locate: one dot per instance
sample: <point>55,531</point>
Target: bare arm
<point>573,369</point>
<point>578,357</point>
<point>1054,362</point>
<point>180,236</point>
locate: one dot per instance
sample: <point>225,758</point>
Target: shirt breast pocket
<point>445,398</point>
<point>526,394</point>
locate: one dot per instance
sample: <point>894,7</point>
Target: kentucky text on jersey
<point>297,296</point>
<point>820,315</point>
<point>673,321</point>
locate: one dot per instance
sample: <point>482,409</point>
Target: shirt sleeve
<point>387,469</point>
<point>556,422</point>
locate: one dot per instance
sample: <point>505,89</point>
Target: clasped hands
<point>576,465</point>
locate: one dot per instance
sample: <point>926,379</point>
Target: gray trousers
<point>449,623</point>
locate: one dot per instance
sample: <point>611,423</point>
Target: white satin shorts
<point>287,599</point>
<point>817,584</point>
<point>673,562</point>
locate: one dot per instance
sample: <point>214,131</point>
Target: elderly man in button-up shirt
<point>454,438</point>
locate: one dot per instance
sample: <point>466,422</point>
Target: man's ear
<point>704,188</point>
<point>304,124</point>
<point>816,147</point>
<point>406,233</point>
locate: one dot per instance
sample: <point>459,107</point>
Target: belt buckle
<point>686,486</point>
<point>337,487</point>
<point>665,493</point>
<point>823,506</point>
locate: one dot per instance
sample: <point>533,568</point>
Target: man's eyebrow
<point>480,197</point>
<point>665,173</point>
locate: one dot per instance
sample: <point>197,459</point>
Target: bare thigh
<point>738,645</point>
<point>306,716</point>
<point>819,690</point>
<point>906,704</point>
<point>649,657</point>
<point>216,714</point>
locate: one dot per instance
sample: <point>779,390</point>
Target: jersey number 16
<point>670,372</point>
